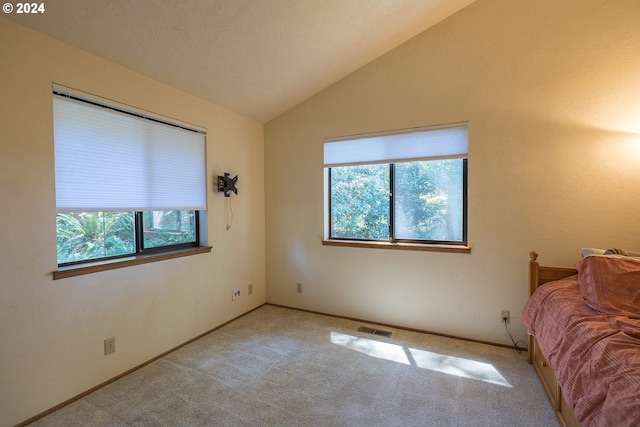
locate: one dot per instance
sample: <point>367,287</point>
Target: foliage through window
<point>423,200</point>
<point>126,183</point>
<point>93,235</point>
<point>360,202</point>
<point>90,236</point>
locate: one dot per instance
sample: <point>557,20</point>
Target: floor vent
<point>374,331</point>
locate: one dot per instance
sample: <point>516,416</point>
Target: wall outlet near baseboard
<point>109,345</point>
<point>505,316</point>
<point>250,290</point>
<point>235,294</point>
<point>299,287</point>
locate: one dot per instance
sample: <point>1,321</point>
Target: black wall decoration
<point>226,184</point>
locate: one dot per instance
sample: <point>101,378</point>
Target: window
<point>404,186</point>
<point>127,182</point>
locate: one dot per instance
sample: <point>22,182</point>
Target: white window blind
<point>108,160</point>
<point>448,142</point>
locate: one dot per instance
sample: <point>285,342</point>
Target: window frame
<point>139,249</point>
<point>140,254</point>
<point>392,238</point>
<point>465,203</point>
<point>457,246</point>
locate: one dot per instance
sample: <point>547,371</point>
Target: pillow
<point>591,251</point>
<point>621,252</point>
<point>611,284</point>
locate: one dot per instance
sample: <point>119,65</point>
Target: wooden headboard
<point>541,274</point>
<point>538,276</point>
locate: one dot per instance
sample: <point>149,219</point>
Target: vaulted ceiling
<point>256,57</point>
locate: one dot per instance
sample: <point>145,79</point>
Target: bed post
<point>533,284</point>
<point>533,271</point>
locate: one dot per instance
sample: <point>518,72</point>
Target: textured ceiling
<point>256,57</point>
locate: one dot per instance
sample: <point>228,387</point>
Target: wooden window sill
<point>78,270</point>
<point>459,249</point>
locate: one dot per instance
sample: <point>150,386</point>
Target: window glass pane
<point>165,228</point>
<point>428,198</point>
<point>360,202</point>
<point>90,235</point>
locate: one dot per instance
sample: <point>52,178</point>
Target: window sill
<point>78,270</point>
<point>458,249</point>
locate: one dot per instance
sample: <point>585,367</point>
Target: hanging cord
<point>515,343</point>
<point>229,213</point>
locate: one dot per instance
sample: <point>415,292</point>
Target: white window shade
<point>108,160</point>
<point>403,146</point>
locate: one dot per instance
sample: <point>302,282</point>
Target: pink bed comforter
<point>595,355</point>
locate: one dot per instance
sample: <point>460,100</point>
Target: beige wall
<point>52,332</point>
<point>551,90</point>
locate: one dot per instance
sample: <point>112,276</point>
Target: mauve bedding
<point>594,354</point>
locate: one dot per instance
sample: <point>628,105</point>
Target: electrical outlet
<point>505,316</point>
<point>235,294</point>
<point>250,290</point>
<point>299,288</point>
<point>109,345</point>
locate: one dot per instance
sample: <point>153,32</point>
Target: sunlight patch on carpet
<point>451,365</point>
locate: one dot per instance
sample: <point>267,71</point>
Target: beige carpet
<point>281,367</point>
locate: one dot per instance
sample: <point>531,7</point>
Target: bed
<point>584,338</point>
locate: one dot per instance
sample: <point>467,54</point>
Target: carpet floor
<point>282,367</point>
